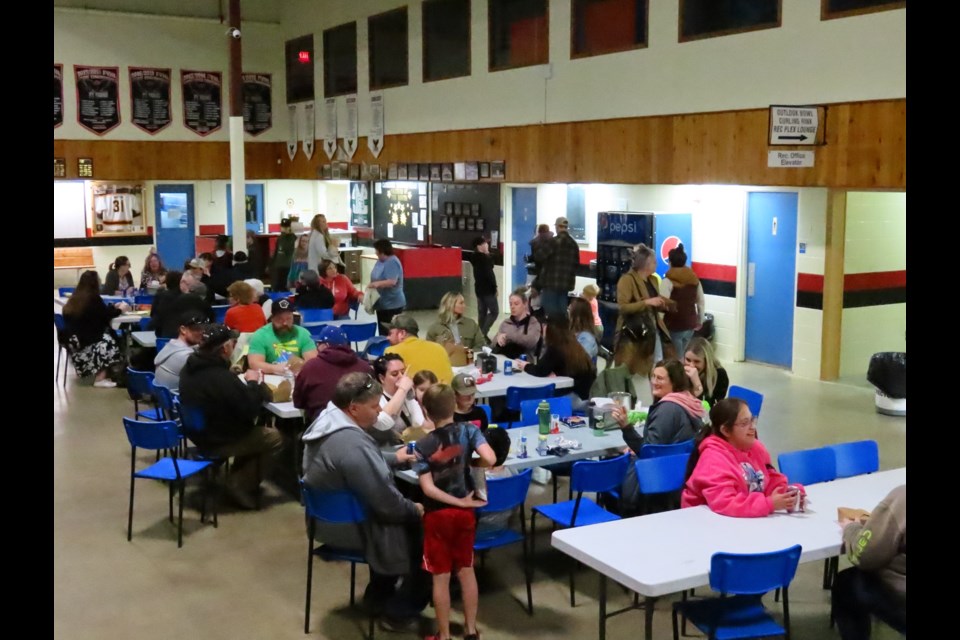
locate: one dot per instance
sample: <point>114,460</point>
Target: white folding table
<point>500,382</point>
<point>669,552</point>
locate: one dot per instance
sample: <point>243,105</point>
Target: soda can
<point>795,490</point>
<point>507,368</point>
<point>410,447</point>
<point>523,357</point>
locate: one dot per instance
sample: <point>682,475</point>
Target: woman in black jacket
<point>93,346</point>
<point>119,280</point>
<point>563,356</point>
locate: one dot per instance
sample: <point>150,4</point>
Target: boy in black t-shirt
<point>465,387</point>
<point>442,459</point>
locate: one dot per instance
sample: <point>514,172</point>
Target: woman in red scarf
<point>343,290</point>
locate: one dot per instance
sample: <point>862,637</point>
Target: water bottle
<point>523,447</point>
<point>542,445</point>
<point>543,417</point>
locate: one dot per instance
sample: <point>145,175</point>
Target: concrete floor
<point>246,579</point>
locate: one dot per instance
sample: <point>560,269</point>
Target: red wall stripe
<point>587,256</point>
<point>708,271</point>
<point>809,282</point>
<point>430,262</point>
<point>337,225</point>
<point>273,228</point>
<point>212,229</point>
<point>874,280</point>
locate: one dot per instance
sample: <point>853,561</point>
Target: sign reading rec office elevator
<point>796,125</point>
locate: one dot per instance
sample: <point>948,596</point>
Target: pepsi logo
<point>667,246</point>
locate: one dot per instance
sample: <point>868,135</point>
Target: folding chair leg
<point>130,511</point>
<point>554,488</point>
<point>171,488</point>
<point>180,518</point>
<point>306,606</point>
<point>353,580</point>
<point>573,571</point>
<point>786,613</point>
<point>676,631</point>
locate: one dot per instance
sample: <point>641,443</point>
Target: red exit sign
<point>303,57</point>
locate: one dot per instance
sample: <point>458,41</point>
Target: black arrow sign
<point>800,137</point>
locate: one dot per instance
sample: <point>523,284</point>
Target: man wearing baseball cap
<point>558,260</point>
<point>465,392</point>
<point>317,379</point>
<point>230,408</point>
<point>171,358</point>
<point>280,338</point>
<point>402,332</point>
<point>283,256</point>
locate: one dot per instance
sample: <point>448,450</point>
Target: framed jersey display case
<point>117,208</point>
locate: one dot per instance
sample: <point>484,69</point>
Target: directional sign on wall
<point>796,124</point>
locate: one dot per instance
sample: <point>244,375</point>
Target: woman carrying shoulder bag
<point>641,309</point>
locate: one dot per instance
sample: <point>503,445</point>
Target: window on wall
<point>299,64</point>
<point>842,8</point>
<point>387,47</point>
<point>606,26</point>
<point>518,33</point>
<point>711,18</point>
<point>446,39</point>
<point>340,60</point>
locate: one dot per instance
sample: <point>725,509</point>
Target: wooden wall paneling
<point>833,276</point>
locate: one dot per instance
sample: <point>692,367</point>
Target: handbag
<point>638,327</point>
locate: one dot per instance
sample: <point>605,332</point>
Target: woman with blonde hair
<point>322,245</point>
<point>453,326</point>
<point>299,264</point>
<point>699,360</point>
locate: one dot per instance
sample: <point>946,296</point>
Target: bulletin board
<point>400,212</point>
<point>462,212</point>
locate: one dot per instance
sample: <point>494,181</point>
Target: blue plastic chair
<point>163,396</point>
<point>158,436</point>
<point>663,450</point>
<point>144,324</point>
<point>663,474</point>
<point>333,507</point>
<point>746,577</point>
<point>528,409</point>
<point>856,458</point>
<point>161,343</point>
<point>143,299</point>
<point>314,330</point>
<point>488,411</point>
<point>589,476</point>
<point>61,326</point>
<point>516,395</point>
<point>754,399</point>
<point>375,347</point>
<point>313,316</point>
<point>220,312</point>
<point>278,295</point>
<point>809,466</point>
<point>140,389</point>
<point>357,333</point>
<point>507,494</point>
<point>63,291</point>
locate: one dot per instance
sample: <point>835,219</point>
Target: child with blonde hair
<point>590,293</point>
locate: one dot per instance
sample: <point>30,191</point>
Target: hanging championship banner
<point>375,139</point>
<point>98,98</point>
<point>257,102</point>
<point>202,100</point>
<point>292,118</point>
<point>350,136</point>
<point>309,129</point>
<point>57,95</point>
<point>330,134</point>
<point>150,98</point>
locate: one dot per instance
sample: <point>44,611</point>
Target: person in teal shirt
<point>279,339</point>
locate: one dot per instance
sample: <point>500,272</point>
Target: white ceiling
<point>250,10</point>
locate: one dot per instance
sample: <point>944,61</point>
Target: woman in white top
<point>322,244</point>
<point>399,408</point>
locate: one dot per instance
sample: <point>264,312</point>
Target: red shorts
<point>448,536</point>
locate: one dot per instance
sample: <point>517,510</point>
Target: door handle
<point>751,278</point>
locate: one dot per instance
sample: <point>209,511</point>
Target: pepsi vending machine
<point>618,232</point>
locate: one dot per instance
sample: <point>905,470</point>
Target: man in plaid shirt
<point>558,259</point>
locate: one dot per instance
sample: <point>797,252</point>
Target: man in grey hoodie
<point>173,356</point>
<point>339,454</point>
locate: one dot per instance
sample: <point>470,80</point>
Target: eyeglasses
<point>749,422</point>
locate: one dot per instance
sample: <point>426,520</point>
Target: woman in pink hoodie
<point>730,470</point>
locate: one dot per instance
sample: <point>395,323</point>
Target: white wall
<point>805,61</point>
<point>876,240</point>
<point>123,40</point>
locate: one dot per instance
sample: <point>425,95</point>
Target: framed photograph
<point>59,167</point>
<point>475,209</point>
<point>117,209</point>
<point>413,171</point>
<point>85,167</point>
<point>326,172</point>
<point>448,208</point>
<point>470,222</point>
<point>353,171</point>
<point>402,172</point>
<point>484,170</point>
<point>481,224</point>
<point>498,170</point>
<point>424,171</point>
<point>374,171</point>
<point>435,172</point>
<point>462,224</point>
<point>392,171</point>
<point>446,172</point>
<point>459,170</point>
<point>335,172</point>
<point>444,222</point>
<point>458,209</point>
<point>472,171</point>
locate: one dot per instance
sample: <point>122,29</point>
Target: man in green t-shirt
<point>272,343</point>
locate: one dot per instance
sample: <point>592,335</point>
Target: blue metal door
<point>771,277</point>
<point>523,229</point>
<point>254,208</point>
<point>176,235</point>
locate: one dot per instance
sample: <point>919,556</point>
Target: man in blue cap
<point>319,376</point>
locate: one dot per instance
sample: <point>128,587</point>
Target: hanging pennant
<point>309,129</point>
<point>375,139</point>
<point>330,133</point>
<point>350,136</point>
<point>292,132</point>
